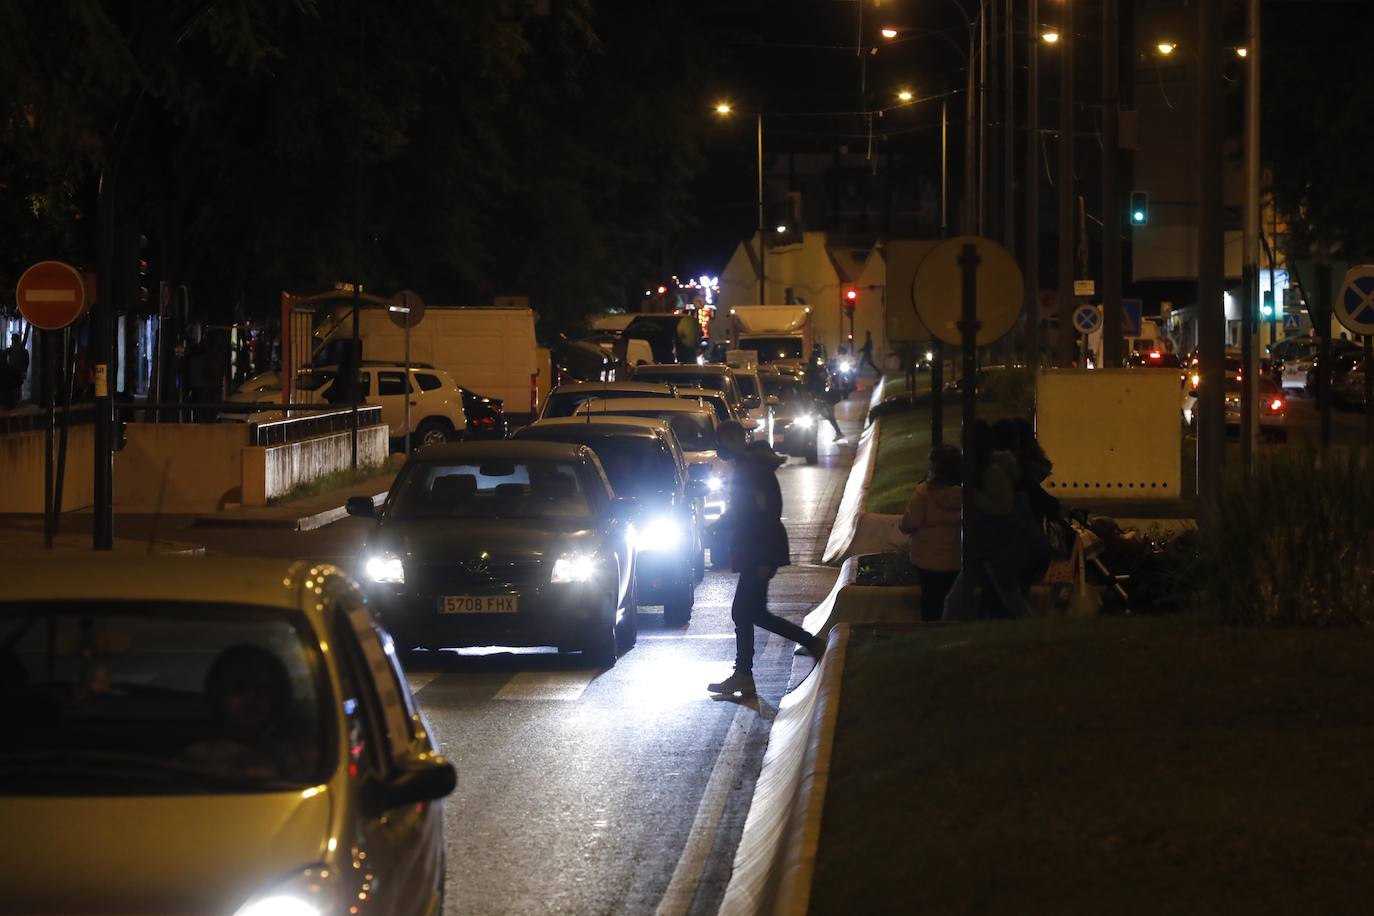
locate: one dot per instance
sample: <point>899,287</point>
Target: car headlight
<point>805,421</point>
<point>845,365</point>
<point>574,567</point>
<point>930,355</point>
<point>714,483</point>
<point>314,891</point>
<point>662,533</point>
<point>385,568</point>
<point>278,905</point>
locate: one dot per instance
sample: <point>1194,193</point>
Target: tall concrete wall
<point>179,467</point>
<point>21,470</point>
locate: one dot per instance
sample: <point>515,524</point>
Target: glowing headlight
<point>279,905</point>
<point>845,365</point>
<point>714,483</point>
<point>574,567</point>
<point>930,355</point>
<point>385,568</point>
<point>662,533</point>
<point>805,421</point>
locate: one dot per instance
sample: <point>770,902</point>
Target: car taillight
<point>1276,405</point>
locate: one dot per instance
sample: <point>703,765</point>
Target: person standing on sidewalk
<point>16,370</point>
<point>757,546</point>
<point>932,520</point>
<point>818,383</point>
<point>867,358</point>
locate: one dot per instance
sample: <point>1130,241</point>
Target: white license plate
<point>778,437</point>
<point>478,604</point>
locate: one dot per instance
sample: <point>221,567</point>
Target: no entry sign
<point>51,295</point>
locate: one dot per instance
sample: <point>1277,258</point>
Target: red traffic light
<point>851,296</point>
<point>662,290</point>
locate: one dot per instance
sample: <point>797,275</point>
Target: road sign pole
<point>406,391</point>
<point>968,328</point>
<point>49,422</point>
<point>1368,390</point>
<point>1325,297</point>
<point>937,396</point>
<point>64,380</point>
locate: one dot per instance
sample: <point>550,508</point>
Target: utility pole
<point>1250,293</point>
<point>968,222</point>
<point>1009,132</point>
<point>1211,445</point>
<point>1111,186</point>
<point>1032,260</point>
<point>1067,40</point>
<point>762,245</point>
<point>102,359</point>
<point>982,117</point>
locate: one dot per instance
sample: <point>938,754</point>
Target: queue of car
<point>266,724</point>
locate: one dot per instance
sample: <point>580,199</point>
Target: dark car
<point>503,543</point>
<point>581,361</point>
<point>486,417</point>
<point>643,461</point>
<point>794,415</point>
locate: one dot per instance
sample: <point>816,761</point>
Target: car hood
<point>155,854</point>
<point>502,539</point>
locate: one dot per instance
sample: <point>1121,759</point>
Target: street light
<point>724,109</point>
<point>1050,36</point>
<point>1166,48</point>
<point>889,33</point>
<point>781,228</point>
<point>905,95</point>
<point>1242,52</point>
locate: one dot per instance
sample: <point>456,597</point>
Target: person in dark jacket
<point>757,544</point>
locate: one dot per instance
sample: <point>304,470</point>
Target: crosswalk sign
<point>1291,322</point>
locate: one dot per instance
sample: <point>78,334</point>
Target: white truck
<point>490,351</point>
<point>779,334</point>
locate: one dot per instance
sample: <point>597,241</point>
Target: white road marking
<point>557,686</point>
<point>419,680</point>
<point>682,887</point>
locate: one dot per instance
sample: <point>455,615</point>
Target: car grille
<point>457,577</point>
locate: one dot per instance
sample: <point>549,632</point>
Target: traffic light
<point>1140,208</point>
<point>851,299</point>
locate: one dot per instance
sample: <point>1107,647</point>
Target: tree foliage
<point>1317,125</point>
<point>537,147</point>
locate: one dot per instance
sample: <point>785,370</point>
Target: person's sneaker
<point>739,683</point>
<point>815,648</point>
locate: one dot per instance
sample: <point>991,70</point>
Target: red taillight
<point>1276,405</point>
<point>1155,354</point>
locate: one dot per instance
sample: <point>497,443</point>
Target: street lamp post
<point>724,109</point>
<point>1067,41</point>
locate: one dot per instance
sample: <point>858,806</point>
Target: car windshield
<point>773,348</point>
<point>785,389</point>
<point>496,488</point>
<point>565,403</point>
<point>636,465</point>
<point>694,431</point>
<point>170,697</point>
<point>717,403</point>
<point>747,385</point>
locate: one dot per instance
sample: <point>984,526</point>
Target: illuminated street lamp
<point>723,109</point>
<point>889,33</point>
<point>1241,52</point>
<point>1050,36</point>
<point>905,95</point>
<point>1166,48</point>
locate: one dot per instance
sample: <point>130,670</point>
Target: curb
<point>776,858</point>
<point>302,523</point>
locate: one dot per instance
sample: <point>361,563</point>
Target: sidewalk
<point>304,514</point>
<point>22,536</point>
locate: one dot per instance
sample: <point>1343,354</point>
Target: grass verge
<point>333,481</point>
<point>1123,765</point>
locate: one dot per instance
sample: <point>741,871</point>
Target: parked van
<point>491,350</point>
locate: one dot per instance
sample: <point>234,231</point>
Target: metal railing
<point>26,419</point>
<point>282,430</point>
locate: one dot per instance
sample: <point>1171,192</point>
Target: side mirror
<point>773,401</point>
<point>425,781</point>
<point>361,506</point>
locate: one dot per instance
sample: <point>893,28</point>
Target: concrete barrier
<point>271,471</point>
<point>21,482</point>
<point>776,857</point>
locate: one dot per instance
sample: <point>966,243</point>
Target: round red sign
<point>51,295</point>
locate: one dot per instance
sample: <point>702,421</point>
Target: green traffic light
<point>1138,217</point>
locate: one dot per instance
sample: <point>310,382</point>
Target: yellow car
<point>210,737</point>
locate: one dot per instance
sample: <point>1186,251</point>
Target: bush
<point>891,567</point>
<point>1294,545</point>
<point>1012,389</point>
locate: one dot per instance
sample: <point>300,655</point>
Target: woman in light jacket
<point>932,520</point>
